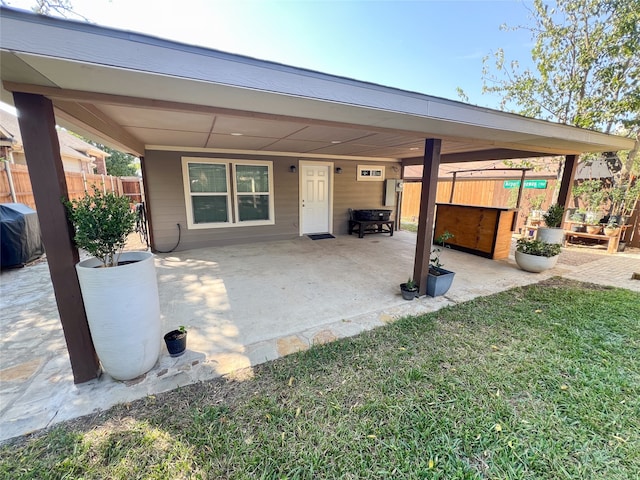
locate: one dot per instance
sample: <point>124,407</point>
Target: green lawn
<point>541,382</point>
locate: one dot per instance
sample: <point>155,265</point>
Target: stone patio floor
<point>244,305</point>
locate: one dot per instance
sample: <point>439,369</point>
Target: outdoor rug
<point>320,236</point>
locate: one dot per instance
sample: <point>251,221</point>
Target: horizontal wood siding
<point>167,203</point>
<point>350,193</point>
<point>166,200</point>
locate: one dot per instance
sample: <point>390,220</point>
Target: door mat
<point>320,236</point>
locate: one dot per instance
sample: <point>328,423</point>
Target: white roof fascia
<point>333,98</point>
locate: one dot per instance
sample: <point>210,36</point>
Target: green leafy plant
<point>410,286</point>
<point>624,197</point>
<point>536,202</point>
<point>553,216</point>
<point>182,329</point>
<point>592,193</point>
<point>434,261</point>
<point>537,247</point>
<point>102,222</point>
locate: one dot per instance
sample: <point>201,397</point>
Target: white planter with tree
<point>553,232</point>
<point>119,290</point>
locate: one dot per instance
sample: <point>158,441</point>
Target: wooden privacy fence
<point>15,185</point>
<point>483,192</point>
<point>488,192</point>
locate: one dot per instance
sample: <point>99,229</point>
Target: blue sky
<point>425,46</point>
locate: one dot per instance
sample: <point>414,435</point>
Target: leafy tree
<point>587,68</point>
<point>119,164</point>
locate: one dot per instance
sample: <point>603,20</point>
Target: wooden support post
<point>42,150</point>
<point>520,190</point>
<point>431,164</point>
<point>453,186</point>
<point>568,175</point>
<point>12,187</point>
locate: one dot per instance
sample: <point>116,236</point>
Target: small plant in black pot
<point>176,341</point>
<point>409,290</point>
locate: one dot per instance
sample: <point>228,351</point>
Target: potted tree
<point>535,255</point>
<point>592,194</point>
<point>119,290</point>
<point>623,200</point>
<point>409,289</point>
<point>536,214</point>
<point>439,280</point>
<point>553,232</point>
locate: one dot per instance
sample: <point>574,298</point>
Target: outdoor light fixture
<point>293,169</point>
<point>338,170</point>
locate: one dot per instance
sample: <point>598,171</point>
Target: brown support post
<point>453,186</point>
<point>520,190</point>
<point>568,174</point>
<point>42,150</point>
<point>431,164</point>
<point>147,205</point>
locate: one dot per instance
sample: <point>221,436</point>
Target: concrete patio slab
<point>244,305</point>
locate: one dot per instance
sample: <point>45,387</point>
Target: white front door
<point>315,198</point>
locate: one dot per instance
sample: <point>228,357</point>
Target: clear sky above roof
<point>425,46</point>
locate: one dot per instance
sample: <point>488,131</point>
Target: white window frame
<point>231,194</point>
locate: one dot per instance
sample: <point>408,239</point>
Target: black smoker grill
<point>371,215</point>
<point>370,221</point>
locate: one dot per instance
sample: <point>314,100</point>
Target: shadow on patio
<point>244,305</point>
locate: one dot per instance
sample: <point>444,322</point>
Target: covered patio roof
<point>138,93</point>
<point>135,92</point>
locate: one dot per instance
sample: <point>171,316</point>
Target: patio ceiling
<point>134,92</point>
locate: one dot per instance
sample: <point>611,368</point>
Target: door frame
<point>317,163</point>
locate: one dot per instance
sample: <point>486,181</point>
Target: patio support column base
<point>42,150</point>
<point>431,164</point>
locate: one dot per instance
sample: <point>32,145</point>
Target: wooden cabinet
<point>483,231</point>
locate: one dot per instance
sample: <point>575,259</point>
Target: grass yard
<point>541,382</point>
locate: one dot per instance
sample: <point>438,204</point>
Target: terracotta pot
<point>594,229</point>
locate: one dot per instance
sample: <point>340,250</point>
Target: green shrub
<point>102,222</point>
<point>537,247</point>
<point>553,216</point>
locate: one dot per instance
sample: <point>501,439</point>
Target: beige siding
<point>163,172</point>
<point>166,200</point>
<point>349,193</point>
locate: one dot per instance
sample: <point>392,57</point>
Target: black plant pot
<point>408,294</point>
<point>176,342</point>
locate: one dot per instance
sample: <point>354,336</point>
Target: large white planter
<point>535,263</point>
<point>550,235</point>
<point>123,311</point>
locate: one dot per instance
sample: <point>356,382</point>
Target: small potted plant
<point>119,290</point>
<point>611,229</point>
<point>577,219</point>
<point>535,255</point>
<point>176,341</point>
<point>594,228</point>
<point>553,232</point>
<point>409,289</point>
<point>439,280</point>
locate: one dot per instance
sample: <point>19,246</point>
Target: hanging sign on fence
<point>527,184</point>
